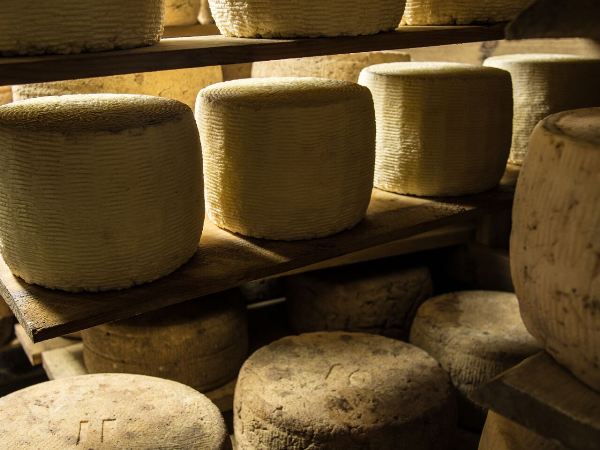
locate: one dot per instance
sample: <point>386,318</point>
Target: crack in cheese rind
<point>93,195</point>
<point>443,129</point>
<point>461,12</point>
<point>181,12</point>
<point>287,158</point>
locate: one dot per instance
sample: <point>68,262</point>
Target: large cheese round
<point>74,26</point>
<point>287,158</point>
<point>555,250</point>
<point>545,84</point>
<point>475,335</point>
<point>307,18</point>
<point>181,12</point>
<point>5,95</point>
<point>442,128</point>
<point>358,298</point>
<point>342,391</point>
<point>460,12</point>
<point>93,195</point>
<point>110,411</point>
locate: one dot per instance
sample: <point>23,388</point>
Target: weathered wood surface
<point>34,350</point>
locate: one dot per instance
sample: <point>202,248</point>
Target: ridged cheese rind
<point>181,12</point>
<point>461,12</point>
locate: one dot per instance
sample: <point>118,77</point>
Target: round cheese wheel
<point>555,250</point>
<point>475,335</point>
<point>442,128</point>
<point>461,12</point>
<point>342,390</point>
<point>205,17</point>
<point>93,195</point>
<point>308,18</point>
<point>111,411</point>
<point>5,95</point>
<point>361,298</point>
<point>287,158</point>
<point>75,26</point>
<point>345,67</point>
<point>545,84</point>
<point>181,12</point>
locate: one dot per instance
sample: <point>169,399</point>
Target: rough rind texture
<point>501,433</point>
<point>461,12</point>
<point>287,158</point>
<point>5,95</point>
<point>342,391</point>
<point>373,301</point>
<point>307,18</point>
<point>475,335</point>
<point>181,12</point>
<point>92,195</point>
<point>111,411</point>
<point>75,26</point>
<point>442,128</point>
<point>202,343</point>
<point>545,84</point>
<point>555,250</point>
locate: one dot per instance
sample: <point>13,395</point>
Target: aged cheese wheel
<point>308,18</point>
<point>5,95</point>
<point>545,84</point>
<point>371,300</point>
<point>460,12</point>
<point>205,17</point>
<point>110,411</point>
<point>342,391</point>
<point>201,343</point>
<point>93,195</point>
<point>555,250</point>
<point>475,335</point>
<point>287,158</point>
<point>345,67</point>
<point>442,128</point>
<point>74,26</point>
<point>181,12</point>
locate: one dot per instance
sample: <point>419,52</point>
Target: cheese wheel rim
<point>461,12</point>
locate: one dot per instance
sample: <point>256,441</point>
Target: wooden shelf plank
<point>34,351</point>
<point>184,52</point>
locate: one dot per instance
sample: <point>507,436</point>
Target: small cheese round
<point>181,12</point>
<point>358,298</point>
<point>545,84</point>
<point>287,158</point>
<point>555,250</point>
<point>5,95</point>
<point>205,17</point>
<point>475,335</point>
<point>111,411</point>
<point>442,128</point>
<point>461,12</point>
<point>307,18</point>
<point>342,390</point>
<point>93,195</point>
<point>75,26</point>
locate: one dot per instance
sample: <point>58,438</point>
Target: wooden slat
<point>34,351</point>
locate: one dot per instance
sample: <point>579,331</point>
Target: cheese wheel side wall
<point>461,12</point>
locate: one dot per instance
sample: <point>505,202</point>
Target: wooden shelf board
<point>197,51</point>
<point>34,351</point>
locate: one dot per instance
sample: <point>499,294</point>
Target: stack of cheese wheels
<point>93,195</point>
<point>342,390</point>
<point>457,12</point>
<point>205,17</point>
<point>308,18</point>
<point>5,95</point>
<point>475,335</point>
<point>202,343</point>
<point>111,411</point>
<point>545,84</point>
<point>338,67</point>
<point>442,128</point>
<point>287,158</point>
<point>360,298</point>
<point>554,243</point>
<point>74,26</point>
<point>181,12</point>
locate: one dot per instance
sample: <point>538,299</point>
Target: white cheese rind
<point>181,12</point>
<point>461,12</point>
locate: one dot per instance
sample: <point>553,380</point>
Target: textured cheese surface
<point>555,250</point>
<point>74,26</point>
<point>307,18</point>
<point>342,391</point>
<point>461,12</point>
<point>5,95</point>
<point>287,158</point>
<point>93,197</point>
<point>357,299</point>
<point>180,84</point>
<point>181,12</point>
<point>545,84</point>
<point>442,128</point>
<point>110,411</point>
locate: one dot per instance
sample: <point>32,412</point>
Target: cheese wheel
<point>5,95</point>
<point>338,67</point>
<point>461,12</point>
<point>342,391</point>
<point>75,26</point>
<point>308,18</point>
<point>287,158</point>
<point>545,84</point>
<point>93,196</point>
<point>442,128</point>
<point>555,250</point>
<point>181,12</point>
<point>358,298</point>
<point>475,335</point>
<point>205,17</point>
<point>111,411</point>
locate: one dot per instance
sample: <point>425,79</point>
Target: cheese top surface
<point>579,124</point>
<point>432,69</point>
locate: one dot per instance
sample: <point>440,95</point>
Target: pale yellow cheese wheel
<point>205,17</point>
<point>181,12</point>
<point>461,12</point>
